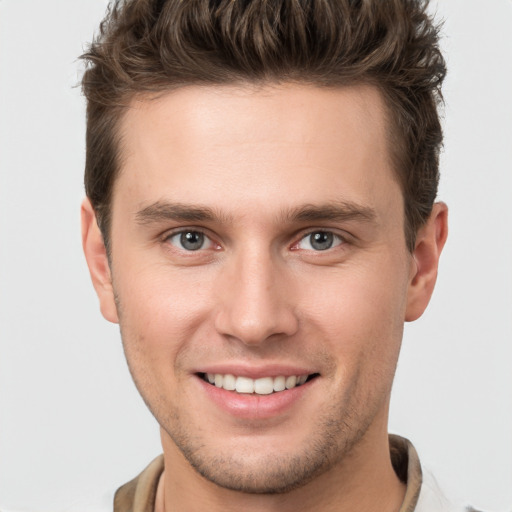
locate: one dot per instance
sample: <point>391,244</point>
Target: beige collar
<point>139,494</point>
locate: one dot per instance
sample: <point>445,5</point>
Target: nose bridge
<point>255,305</point>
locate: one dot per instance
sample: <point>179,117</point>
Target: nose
<point>255,300</point>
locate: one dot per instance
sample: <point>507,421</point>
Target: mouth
<point>262,386</point>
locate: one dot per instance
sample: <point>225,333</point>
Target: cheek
<point>360,312</point>
<point>160,310</point>
<point>361,326</point>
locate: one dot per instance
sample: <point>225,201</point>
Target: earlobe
<point>97,261</point>
<point>430,241</point>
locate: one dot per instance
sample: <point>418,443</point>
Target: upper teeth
<point>263,386</point>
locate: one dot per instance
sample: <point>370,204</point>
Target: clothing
<point>422,494</point>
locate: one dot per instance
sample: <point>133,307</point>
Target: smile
<point>261,386</point>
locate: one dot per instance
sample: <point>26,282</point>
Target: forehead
<point>276,145</point>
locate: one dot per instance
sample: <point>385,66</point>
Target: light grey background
<point>71,422</point>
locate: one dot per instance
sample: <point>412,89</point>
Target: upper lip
<point>256,372</point>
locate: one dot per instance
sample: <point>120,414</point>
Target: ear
<point>430,241</point>
<point>97,261</point>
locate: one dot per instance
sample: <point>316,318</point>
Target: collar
<point>139,494</point>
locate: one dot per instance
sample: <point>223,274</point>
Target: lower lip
<point>254,406</point>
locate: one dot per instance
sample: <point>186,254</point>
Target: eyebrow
<point>164,211</point>
<point>336,211</point>
<point>161,211</point>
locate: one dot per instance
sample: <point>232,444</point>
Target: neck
<point>364,480</point>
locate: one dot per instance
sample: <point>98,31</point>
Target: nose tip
<point>253,329</point>
<point>256,305</point>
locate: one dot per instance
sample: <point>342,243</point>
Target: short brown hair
<point>147,46</point>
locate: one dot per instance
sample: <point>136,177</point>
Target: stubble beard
<point>332,440</point>
<point>264,472</point>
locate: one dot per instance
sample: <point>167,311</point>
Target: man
<point>260,221</point>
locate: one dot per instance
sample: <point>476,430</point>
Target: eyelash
<point>183,232</point>
<point>335,239</point>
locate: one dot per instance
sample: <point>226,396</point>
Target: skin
<point>269,166</point>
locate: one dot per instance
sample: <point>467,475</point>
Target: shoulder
<point>432,498</point>
<point>139,494</point>
<point>423,494</point>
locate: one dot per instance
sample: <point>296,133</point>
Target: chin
<point>266,474</point>
<point>261,466</point>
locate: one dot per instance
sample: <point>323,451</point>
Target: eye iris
<point>192,240</point>
<point>321,241</point>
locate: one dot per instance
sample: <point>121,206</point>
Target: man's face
<point>258,237</point>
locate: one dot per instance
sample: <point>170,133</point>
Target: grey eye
<point>321,240</point>
<point>190,240</point>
